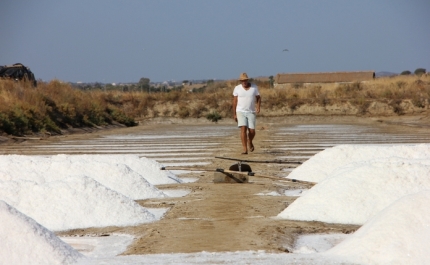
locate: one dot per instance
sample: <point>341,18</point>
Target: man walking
<point>246,104</point>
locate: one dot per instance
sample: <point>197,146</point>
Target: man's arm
<point>234,107</point>
<point>258,104</point>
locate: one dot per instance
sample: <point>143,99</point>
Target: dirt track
<point>232,217</point>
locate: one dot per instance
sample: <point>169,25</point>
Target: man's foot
<point>251,147</point>
<point>244,153</point>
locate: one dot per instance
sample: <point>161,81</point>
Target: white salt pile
<point>107,171</point>
<point>400,234</point>
<point>149,169</point>
<point>357,191</point>
<point>100,189</point>
<point>23,241</point>
<point>389,195</point>
<point>325,162</point>
<point>56,204</point>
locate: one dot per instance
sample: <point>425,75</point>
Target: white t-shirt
<point>246,98</point>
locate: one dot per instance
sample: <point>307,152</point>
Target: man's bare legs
<point>244,138</point>
<point>251,135</point>
<point>246,135</point>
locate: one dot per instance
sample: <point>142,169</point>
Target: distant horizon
<point>377,73</point>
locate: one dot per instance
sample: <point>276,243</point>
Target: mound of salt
<point>358,191</point>
<point>148,168</point>
<point>24,241</point>
<point>321,165</point>
<point>73,202</point>
<point>113,175</point>
<point>400,234</point>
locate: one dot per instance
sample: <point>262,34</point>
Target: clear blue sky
<point>122,41</point>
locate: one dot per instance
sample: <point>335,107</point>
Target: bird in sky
<point>285,50</point>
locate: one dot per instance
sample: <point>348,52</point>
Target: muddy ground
<point>217,217</point>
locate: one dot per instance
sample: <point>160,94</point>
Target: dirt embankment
<point>366,109</point>
<point>351,108</point>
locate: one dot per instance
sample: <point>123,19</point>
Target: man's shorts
<point>246,119</point>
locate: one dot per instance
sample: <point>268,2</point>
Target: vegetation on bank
<point>390,90</point>
<point>54,106</point>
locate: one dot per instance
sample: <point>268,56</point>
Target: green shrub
<point>6,125</point>
<point>214,116</point>
<point>120,117</point>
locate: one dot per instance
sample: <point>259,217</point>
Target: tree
<point>144,84</point>
<point>271,81</point>
<point>144,81</point>
<point>420,71</point>
<point>98,85</point>
<point>407,72</point>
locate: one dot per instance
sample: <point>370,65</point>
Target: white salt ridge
<point>400,234</point>
<point>358,191</point>
<point>148,168</point>
<point>56,204</point>
<point>325,162</point>
<point>24,241</point>
<point>107,171</point>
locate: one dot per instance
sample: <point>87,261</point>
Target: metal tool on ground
<point>238,176</point>
<point>232,175</point>
<point>241,166</point>
<point>261,161</point>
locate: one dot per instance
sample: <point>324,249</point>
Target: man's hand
<point>258,103</point>
<point>234,103</point>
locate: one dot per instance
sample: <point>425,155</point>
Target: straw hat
<point>243,76</point>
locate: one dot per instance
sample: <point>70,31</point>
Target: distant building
<point>323,77</point>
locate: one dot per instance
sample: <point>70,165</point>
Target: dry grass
<point>55,105</point>
<point>393,89</point>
